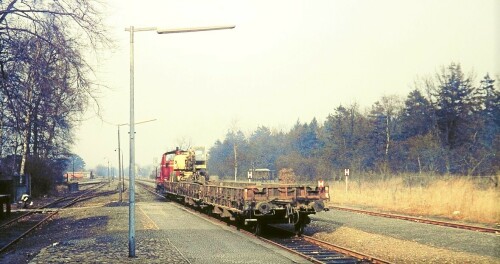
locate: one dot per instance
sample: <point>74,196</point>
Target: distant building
<point>77,175</point>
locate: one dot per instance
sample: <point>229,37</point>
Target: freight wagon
<point>183,177</point>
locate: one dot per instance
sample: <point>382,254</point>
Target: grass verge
<point>457,198</point>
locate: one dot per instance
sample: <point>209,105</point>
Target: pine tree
<point>454,109</point>
<point>489,106</point>
<point>484,145</point>
<point>417,117</point>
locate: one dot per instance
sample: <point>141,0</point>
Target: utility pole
<point>123,175</point>
<point>235,161</point>
<point>120,176</point>
<point>109,177</point>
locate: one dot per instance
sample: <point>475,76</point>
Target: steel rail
<point>345,251</point>
<point>312,259</point>
<point>51,214</point>
<point>44,207</point>
<point>31,212</point>
<point>336,248</point>
<point>419,220</point>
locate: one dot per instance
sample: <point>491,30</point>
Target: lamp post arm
<point>195,29</point>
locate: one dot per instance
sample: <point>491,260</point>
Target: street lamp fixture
<point>197,29</point>
<point>131,29</point>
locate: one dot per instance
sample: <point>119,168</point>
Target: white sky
<point>285,61</point>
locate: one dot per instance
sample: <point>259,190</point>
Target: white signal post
<point>131,29</point>
<point>346,173</point>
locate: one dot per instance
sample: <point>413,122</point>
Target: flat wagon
<point>248,204</point>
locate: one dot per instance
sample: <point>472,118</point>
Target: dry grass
<point>453,198</point>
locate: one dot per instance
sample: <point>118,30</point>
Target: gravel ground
<point>404,241</point>
<point>111,248</point>
<point>96,232</point>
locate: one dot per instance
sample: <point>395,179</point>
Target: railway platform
<point>97,232</point>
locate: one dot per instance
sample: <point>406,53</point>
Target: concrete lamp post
<point>132,30</point>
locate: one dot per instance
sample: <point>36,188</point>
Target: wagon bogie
<point>259,228</point>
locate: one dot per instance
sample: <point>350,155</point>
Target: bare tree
<point>44,79</point>
<point>384,114</point>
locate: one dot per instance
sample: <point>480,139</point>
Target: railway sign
<point>321,184</point>
<point>346,174</point>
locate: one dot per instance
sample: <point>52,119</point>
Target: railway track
<point>416,219</point>
<point>312,249</point>
<point>17,228</point>
<point>420,220</point>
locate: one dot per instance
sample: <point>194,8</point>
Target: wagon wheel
<point>206,210</point>
<point>299,228</point>
<point>238,223</point>
<point>258,228</point>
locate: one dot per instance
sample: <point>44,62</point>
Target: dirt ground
<point>396,250</point>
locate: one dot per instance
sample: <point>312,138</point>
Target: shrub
<point>45,173</point>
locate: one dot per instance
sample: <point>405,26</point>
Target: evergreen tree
<point>263,149</point>
<point>453,130</point>
<point>484,146</point>
<point>455,115</point>
<point>338,137</point>
<point>489,108</point>
<point>454,106</point>
<point>417,117</point>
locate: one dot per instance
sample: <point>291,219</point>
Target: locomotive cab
<point>183,165</point>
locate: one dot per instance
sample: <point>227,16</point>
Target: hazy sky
<point>285,61</point>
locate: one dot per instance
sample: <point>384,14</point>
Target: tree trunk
<point>419,165</point>
<point>26,138</point>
